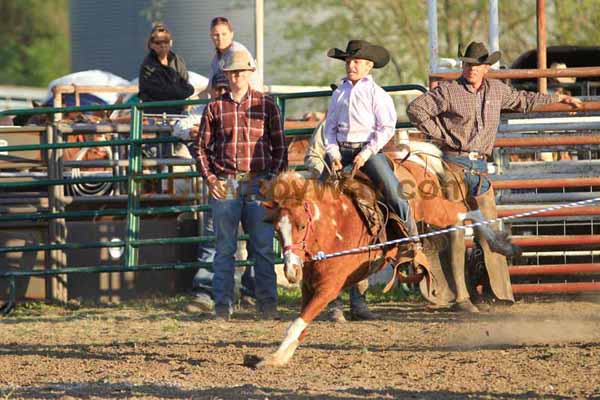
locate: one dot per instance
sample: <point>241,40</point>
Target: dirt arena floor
<point>155,349</point>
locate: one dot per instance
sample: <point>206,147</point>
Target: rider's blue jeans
<point>476,184</point>
<point>227,215</point>
<point>382,176</point>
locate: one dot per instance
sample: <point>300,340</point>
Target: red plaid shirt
<point>241,137</point>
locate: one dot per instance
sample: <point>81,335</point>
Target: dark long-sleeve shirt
<point>241,137</point>
<point>164,82</point>
<point>465,119</point>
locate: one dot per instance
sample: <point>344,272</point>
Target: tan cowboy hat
<point>477,53</point>
<point>362,49</point>
<point>237,61</point>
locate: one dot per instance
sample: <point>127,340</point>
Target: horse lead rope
<point>322,256</point>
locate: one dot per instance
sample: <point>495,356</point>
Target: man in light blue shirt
<point>221,34</point>
<point>361,119</point>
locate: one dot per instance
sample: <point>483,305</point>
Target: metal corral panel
<point>27,234</point>
<point>110,35</point>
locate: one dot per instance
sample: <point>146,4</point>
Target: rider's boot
<point>359,310</point>
<point>335,313</point>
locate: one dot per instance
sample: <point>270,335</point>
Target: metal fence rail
<point>132,175</point>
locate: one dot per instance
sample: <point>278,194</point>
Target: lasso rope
<point>323,256</point>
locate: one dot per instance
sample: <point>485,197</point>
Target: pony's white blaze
<point>285,229</point>
<point>344,207</point>
<point>291,260</point>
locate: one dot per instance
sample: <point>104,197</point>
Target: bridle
<point>309,227</point>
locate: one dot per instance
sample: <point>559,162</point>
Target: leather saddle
<point>382,222</point>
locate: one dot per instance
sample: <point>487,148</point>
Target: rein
<point>309,227</point>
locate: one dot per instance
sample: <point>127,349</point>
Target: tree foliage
<point>35,46</point>
<point>311,27</point>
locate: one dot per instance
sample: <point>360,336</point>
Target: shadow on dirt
<point>125,390</point>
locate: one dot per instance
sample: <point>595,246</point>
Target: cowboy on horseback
<point>361,119</point>
<point>464,116</point>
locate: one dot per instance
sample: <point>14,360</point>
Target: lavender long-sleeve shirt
<point>363,112</point>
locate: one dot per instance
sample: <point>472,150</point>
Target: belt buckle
<point>242,176</point>
<point>474,156</point>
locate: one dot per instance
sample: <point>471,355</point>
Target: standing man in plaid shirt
<point>240,143</point>
<point>464,116</point>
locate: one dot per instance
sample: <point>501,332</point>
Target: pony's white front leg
<point>287,347</point>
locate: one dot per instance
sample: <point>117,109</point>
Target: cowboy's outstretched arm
<point>566,99</point>
<point>423,111</point>
<point>524,101</point>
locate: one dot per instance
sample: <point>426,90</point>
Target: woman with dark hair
<point>163,74</point>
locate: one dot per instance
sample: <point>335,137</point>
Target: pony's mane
<point>295,186</point>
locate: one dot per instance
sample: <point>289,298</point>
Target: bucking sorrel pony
<point>310,217</point>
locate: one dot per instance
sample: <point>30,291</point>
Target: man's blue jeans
<point>227,215</point>
<point>382,176</point>
<point>202,282</point>
<point>476,184</point>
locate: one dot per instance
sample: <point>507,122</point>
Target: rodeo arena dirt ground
<point>538,348</point>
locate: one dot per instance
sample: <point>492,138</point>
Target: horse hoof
<point>336,315</point>
<point>466,306</point>
<point>252,361</point>
<point>256,362</point>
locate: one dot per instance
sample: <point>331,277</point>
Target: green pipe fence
<point>133,178</point>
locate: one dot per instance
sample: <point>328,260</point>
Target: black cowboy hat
<point>362,49</point>
<point>477,53</point>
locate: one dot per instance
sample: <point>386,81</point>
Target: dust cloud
<point>511,331</point>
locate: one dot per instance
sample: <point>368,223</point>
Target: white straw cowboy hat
<point>562,79</point>
<point>237,61</point>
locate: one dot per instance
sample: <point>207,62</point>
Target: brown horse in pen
<point>311,217</point>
